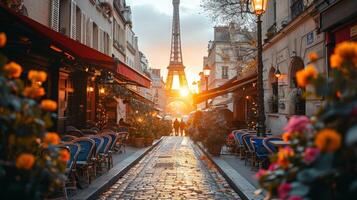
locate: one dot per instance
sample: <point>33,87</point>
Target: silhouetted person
<point>176,126</point>
<point>182,127</point>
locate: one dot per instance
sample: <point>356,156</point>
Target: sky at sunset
<point>152,21</point>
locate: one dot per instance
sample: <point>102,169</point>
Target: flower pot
<point>139,142</point>
<point>149,141</point>
<point>215,150</point>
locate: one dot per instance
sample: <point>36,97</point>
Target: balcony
<point>297,8</point>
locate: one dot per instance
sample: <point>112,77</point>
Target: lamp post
<point>259,7</point>
<point>206,73</point>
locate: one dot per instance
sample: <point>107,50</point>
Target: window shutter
<point>73,20</point>
<point>55,4</point>
<point>84,28</point>
<point>89,32</point>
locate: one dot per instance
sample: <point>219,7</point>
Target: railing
<point>297,8</point>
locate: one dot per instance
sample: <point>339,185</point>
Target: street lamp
<point>206,72</point>
<point>259,8</point>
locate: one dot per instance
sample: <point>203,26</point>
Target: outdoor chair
<point>68,138</point>
<point>99,142</point>
<point>269,146</point>
<point>249,152</point>
<point>242,151</point>
<point>260,152</point>
<point>72,176</point>
<point>104,157</point>
<point>89,132</point>
<point>84,161</point>
<point>114,138</point>
<point>239,144</point>
<point>121,141</point>
<point>76,133</point>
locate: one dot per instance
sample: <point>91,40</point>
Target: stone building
<point>290,33</point>
<point>229,55</point>
<point>158,89</point>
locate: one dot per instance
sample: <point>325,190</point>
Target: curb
<point>102,183</point>
<point>239,184</point>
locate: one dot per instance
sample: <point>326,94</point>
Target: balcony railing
<point>297,8</point>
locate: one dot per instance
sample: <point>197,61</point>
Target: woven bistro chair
<point>249,152</point>
<point>84,161</point>
<point>68,138</point>
<point>99,142</point>
<point>115,138</point>
<point>71,171</point>
<point>121,142</point>
<point>240,135</point>
<point>104,157</point>
<point>269,146</point>
<point>239,143</point>
<point>260,152</point>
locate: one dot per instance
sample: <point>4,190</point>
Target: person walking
<point>182,127</point>
<point>176,127</point>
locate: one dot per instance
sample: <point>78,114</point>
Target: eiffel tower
<point>176,66</point>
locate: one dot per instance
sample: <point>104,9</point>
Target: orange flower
<point>313,57</point>
<point>64,155</point>
<point>283,156</point>
<point>51,138</point>
<point>338,94</point>
<point>37,76</point>
<point>13,70</point>
<point>328,140</point>
<point>25,161</point>
<point>2,39</point>
<point>346,51</point>
<point>48,105</point>
<point>34,92</point>
<point>335,61</point>
<point>286,136</point>
<point>304,75</point>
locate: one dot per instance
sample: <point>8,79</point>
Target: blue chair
<point>68,138</point>
<point>237,138</point>
<point>249,152</point>
<point>269,146</point>
<point>84,160</point>
<point>71,182</point>
<point>260,152</point>
<point>104,157</point>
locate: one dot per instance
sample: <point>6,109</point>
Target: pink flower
<point>231,136</point>
<point>283,190</point>
<point>273,166</point>
<point>311,154</point>
<point>295,198</point>
<point>297,124</point>
<point>260,173</point>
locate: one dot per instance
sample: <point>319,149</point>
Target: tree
<point>226,11</point>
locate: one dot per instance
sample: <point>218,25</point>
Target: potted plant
<point>216,128</point>
<point>139,140</point>
<point>149,139</point>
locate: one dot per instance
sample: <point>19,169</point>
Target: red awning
<point>230,86</point>
<point>132,75</point>
<point>78,50</point>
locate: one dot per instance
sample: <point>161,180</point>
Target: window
<point>78,25</point>
<point>95,36</point>
<point>297,7</point>
<point>224,72</point>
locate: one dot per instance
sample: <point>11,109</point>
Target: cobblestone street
<point>173,170</point>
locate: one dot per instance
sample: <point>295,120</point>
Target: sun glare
<point>184,92</point>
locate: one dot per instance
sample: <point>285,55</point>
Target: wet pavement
<point>175,169</point>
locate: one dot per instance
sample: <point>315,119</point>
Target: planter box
<point>215,150</point>
<point>149,141</point>
<point>139,142</point>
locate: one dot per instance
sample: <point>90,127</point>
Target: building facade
<point>158,90</point>
<point>291,32</point>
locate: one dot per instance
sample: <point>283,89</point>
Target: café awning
<point>78,51</point>
<point>230,86</point>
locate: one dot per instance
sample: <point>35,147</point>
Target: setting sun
<point>184,92</point>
